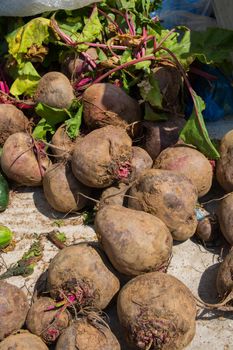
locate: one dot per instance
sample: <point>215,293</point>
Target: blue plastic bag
<point>199,7</point>
<point>217,95</point>
<point>191,13</point>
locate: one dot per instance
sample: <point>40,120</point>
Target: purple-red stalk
<point>123,66</point>
<point>166,37</point>
<point>103,46</point>
<point>203,74</point>
<point>111,20</point>
<point>82,82</point>
<point>89,59</point>
<point>155,43</point>
<point>145,39</point>
<point>117,11</point>
<point>132,24</point>
<point>4,87</point>
<point>66,38</point>
<point>128,23</point>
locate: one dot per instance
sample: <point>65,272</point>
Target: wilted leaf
<point>26,81</point>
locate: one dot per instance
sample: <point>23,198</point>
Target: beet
<point>62,190</point>
<point>12,120</point>
<point>225,276</point>
<point>83,335</point>
<point>73,64</point>
<point>23,341</point>
<point>23,160</point>
<point>207,229</point>
<point>54,89</point>
<point>225,217</point>
<point>134,241</point>
<point>157,311</point>
<point>64,145</point>
<point>114,195</point>
<point>13,309</point>
<point>224,169</point>
<point>160,135</point>
<point>168,195</point>
<point>79,271</point>
<point>170,82</point>
<point>103,157</point>
<point>190,162</point>
<point>106,104</point>
<point>45,321</point>
<point>140,161</point>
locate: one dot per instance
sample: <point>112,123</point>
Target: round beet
<point>54,89</point>
<point>225,217</point>
<point>102,157</point>
<point>159,135</point>
<point>23,160</point>
<point>207,229</point>
<point>62,190</point>
<point>134,241</point>
<point>12,120</point>
<point>225,276</point>
<point>170,82</point>
<point>107,104</point>
<point>140,161</point>
<point>224,169</point>
<point>190,162</point>
<point>23,341</point>
<point>64,145</point>
<point>79,271</point>
<point>73,64</point>
<point>83,335</point>
<point>157,311</point>
<point>168,195</point>
<point>44,320</point>
<point>114,195</point>
<point>13,309</point>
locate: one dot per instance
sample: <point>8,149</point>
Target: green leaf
<point>145,65</point>
<point>179,44</point>
<point>61,236</point>
<point>73,124</point>
<point>41,130</point>
<point>71,25</point>
<point>152,115</point>
<point>29,39</point>
<point>128,4</point>
<point>52,115</point>
<point>125,82</point>
<point>150,91</point>
<point>101,55</point>
<point>26,81</point>
<point>211,46</point>
<point>91,31</point>
<point>195,132</point>
<point>146,6</point>
<point>126,56</point>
